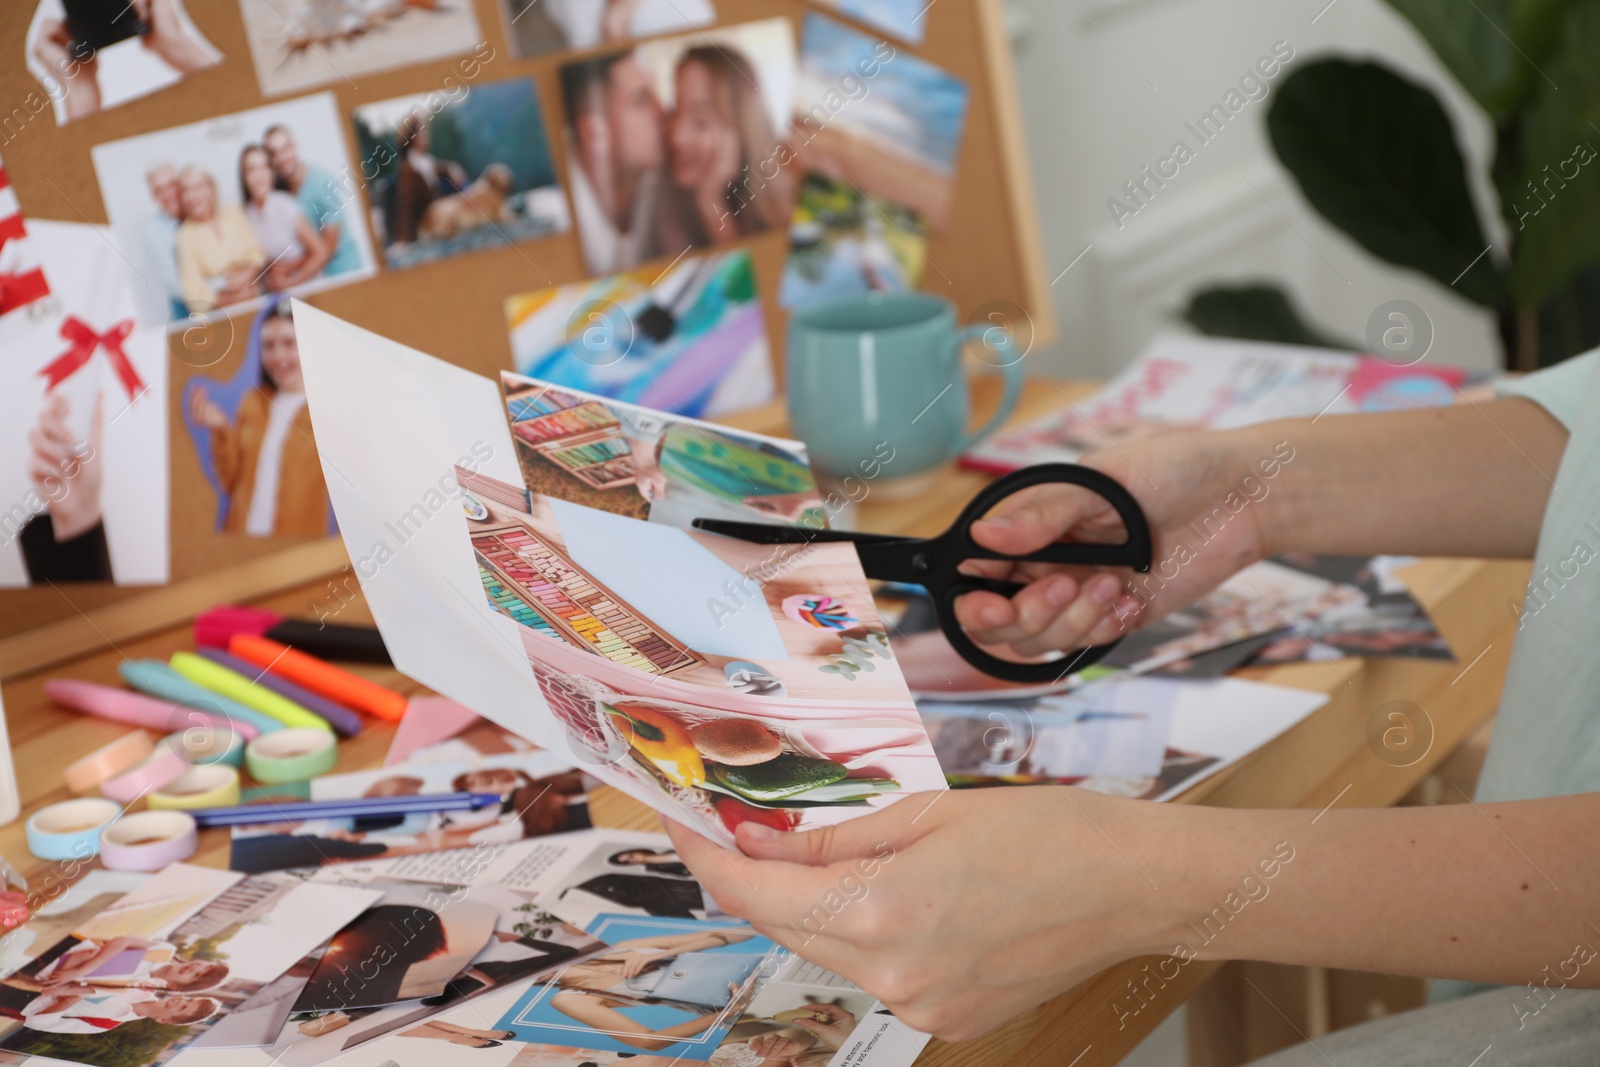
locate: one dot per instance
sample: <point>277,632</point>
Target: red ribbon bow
<point>17,290</point>
<point>82,342</point>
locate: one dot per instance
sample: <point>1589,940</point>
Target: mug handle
<point>1012,370</point>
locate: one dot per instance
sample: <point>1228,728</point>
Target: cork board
<point>987,256</point>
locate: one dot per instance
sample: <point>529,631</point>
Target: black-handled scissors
<point>935,562</point>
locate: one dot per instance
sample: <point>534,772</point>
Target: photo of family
<point>690,339</point>
<point>540,27</point>
<point>93,55</point>
<point>667,987</point>
<point>140,982</point>
<point>299,44</point>
<point>252,436</point>
<point>880,120</point>
<point>722,699</point>
<point>640,462</point>
<point>459,175</point>
<point>681,142</point>
<point>83,422</point>
<point>222,213</point>
<point>844,241</point>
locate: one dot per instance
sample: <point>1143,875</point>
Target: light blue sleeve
<point>1559,390</point>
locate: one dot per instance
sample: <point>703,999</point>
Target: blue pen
<point>347,808</point>
<point>160,680</point>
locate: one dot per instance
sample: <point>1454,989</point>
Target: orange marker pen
<point>321,678</point>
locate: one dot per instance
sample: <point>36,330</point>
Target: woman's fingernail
<point>1104,589</point>
<point>999,522</point>
<point>1060,590</point>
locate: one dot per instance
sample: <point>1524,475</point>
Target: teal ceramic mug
<point>877,375</point>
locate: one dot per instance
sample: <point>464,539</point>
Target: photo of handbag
<point>703,978</point>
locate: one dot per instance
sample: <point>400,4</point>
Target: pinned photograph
<point>843,241</point>
<point>905,19</point>
<point>690,339</point>
<point>300,44</point>
<point>83,421</point>
<point>878,119</point>
<point>459,175</point>
<point>225,212</point>
<point>540,27</point>
<point>93,55</point>
<point>23,277</point>
<point>681,142</point>
<point>252,436</point>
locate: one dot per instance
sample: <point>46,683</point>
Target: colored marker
<point>325,679</point>
<point>160,680</point>
<point>345,722</point>
<point>350,808</point>
<point>235,686</point>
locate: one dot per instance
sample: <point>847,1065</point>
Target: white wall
<point>1107,86</point>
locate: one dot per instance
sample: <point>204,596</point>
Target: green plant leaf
<point>1555,223</point>
<point>1493,47</point>
<point>1260,312</point>
<point>1376,155</point>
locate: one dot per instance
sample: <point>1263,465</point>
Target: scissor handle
<point>1135,552</point>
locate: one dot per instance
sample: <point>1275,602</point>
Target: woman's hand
<point>836,1031</point>
<point>67,474</point>
<point>75,67</point>
<point>958,910</point>
<point>1200,492</point>
<point>203,411</point>
<point>779,1045</point>
<point>632,964</point>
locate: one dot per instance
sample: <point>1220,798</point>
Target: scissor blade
<point>767,533</point>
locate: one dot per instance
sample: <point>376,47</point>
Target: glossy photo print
<point>667,987</point>
<point>540,27</point>
<point>252,436</point>
<point>843,241</point>
<point>689,339</point>
<point>680,143</point>
<point>302,44</point>
<point>222,213</point>
<point>459,172</point>
<point>93,55</point>
<point>637,461</point>
<point>904,19</point>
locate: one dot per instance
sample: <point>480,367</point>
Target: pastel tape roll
<point>291,755</point>
<point>209,785</point>
<point>148,841</point>
<point>201,745</point>
<point>160,680</point>
<point>108,761</point>
<point>163,766</point>
<point>239,687</point>
<point>344,721</point>
<point>71,829</point>
<point>120,705</point>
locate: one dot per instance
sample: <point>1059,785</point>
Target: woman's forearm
<point>1493,892</point>
<point>1462,480</point>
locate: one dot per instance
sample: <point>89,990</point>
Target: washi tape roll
<point>238,687</point>
<point>291,755</point>
<point>210,785</point>
<point>148,841</point>
<point>202,745</point>
<point>108,761</point>
<point>71,829</point>
<point>163,766</point>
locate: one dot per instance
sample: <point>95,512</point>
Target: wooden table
<point>1323,760</point>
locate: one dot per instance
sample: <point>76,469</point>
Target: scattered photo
<point>540,27</point>
<point>877,119</point>
<point>407,947</point>
<point>905,19</point>
<point>459,175</point>
<point>701,697</point>
<point>690,339</point>
<point>640,462</point>
<point>1389,622</point>
<point>671,988</point>
<point>540,793</point>
<point>19,263</point>
<point>93,55</point>
<point>105,995</point>
<point>680,143</point>
<point>83,375</point>
<point>252,435</point>
<point>623,878</point>
<point>300,44</point>
<point>221,213</point>
<point>843,241</point>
